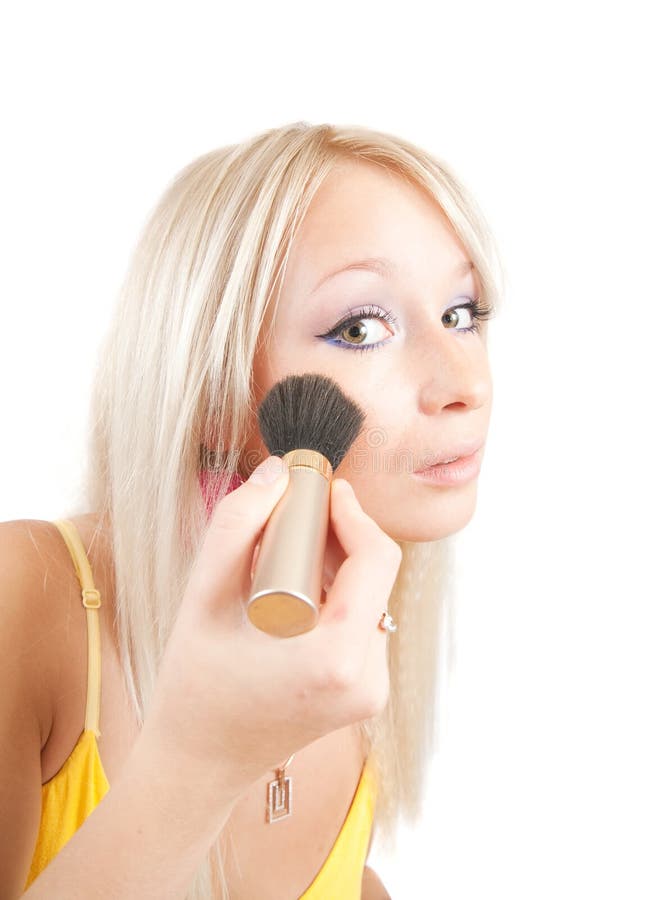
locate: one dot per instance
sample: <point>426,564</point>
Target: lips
<point>459,451</point>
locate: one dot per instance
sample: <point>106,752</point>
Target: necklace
<point>279,794</point>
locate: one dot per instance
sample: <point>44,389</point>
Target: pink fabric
<point>210,480</point>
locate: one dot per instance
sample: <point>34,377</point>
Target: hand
<point>231,697</point>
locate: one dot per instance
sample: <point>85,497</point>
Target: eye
<point>359,329</point>
<point>476,310</point>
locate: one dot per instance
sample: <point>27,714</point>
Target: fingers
<point>361,588</point>
<point>334,556</point>
<point>222,571</point>
<point>375,671</point>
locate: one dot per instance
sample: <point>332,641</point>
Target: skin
<point>424,389</point>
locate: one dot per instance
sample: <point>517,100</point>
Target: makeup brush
<point>311,424</point>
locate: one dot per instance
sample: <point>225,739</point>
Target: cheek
<point>262,380</point>
<point>377,452</point>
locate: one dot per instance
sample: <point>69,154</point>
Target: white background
<point>540,786</point>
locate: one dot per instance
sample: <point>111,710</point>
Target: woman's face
<point>394,339</point>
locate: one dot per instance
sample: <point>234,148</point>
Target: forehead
<point>364,210</point>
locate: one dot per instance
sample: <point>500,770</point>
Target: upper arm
<point>25,701</point>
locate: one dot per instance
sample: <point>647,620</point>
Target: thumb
<point>221,574</point>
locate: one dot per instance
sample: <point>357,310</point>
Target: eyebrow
<point>385,267</point>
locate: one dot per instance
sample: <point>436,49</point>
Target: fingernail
<point>268,471</point>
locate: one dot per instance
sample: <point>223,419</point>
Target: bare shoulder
<point>34,584</point>
<point>26,542</point>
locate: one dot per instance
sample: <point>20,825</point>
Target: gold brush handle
<point>287,582</point>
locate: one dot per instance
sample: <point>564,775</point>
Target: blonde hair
<point>174,375</point>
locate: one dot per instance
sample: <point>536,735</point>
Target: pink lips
<point>460,471</point>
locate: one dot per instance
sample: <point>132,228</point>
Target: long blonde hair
<point>174,377</point>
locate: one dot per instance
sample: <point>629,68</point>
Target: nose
<point>455,372</point>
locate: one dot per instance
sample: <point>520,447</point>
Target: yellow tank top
<point>69,797</point>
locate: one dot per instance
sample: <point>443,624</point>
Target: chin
<point>423,513</point>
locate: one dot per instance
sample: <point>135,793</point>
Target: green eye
<point>357,331</point>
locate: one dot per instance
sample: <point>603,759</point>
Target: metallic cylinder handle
<point>287,582</point>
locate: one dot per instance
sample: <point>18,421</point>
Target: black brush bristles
<point>309,412</point>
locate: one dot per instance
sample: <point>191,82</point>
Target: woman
<point>292,252</point>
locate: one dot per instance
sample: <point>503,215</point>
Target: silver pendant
<point>279,797</point>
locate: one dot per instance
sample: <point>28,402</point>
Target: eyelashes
<point>367,312</point>
<point>479,312</point>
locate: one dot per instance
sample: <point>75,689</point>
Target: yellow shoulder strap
<point>92,601</point>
